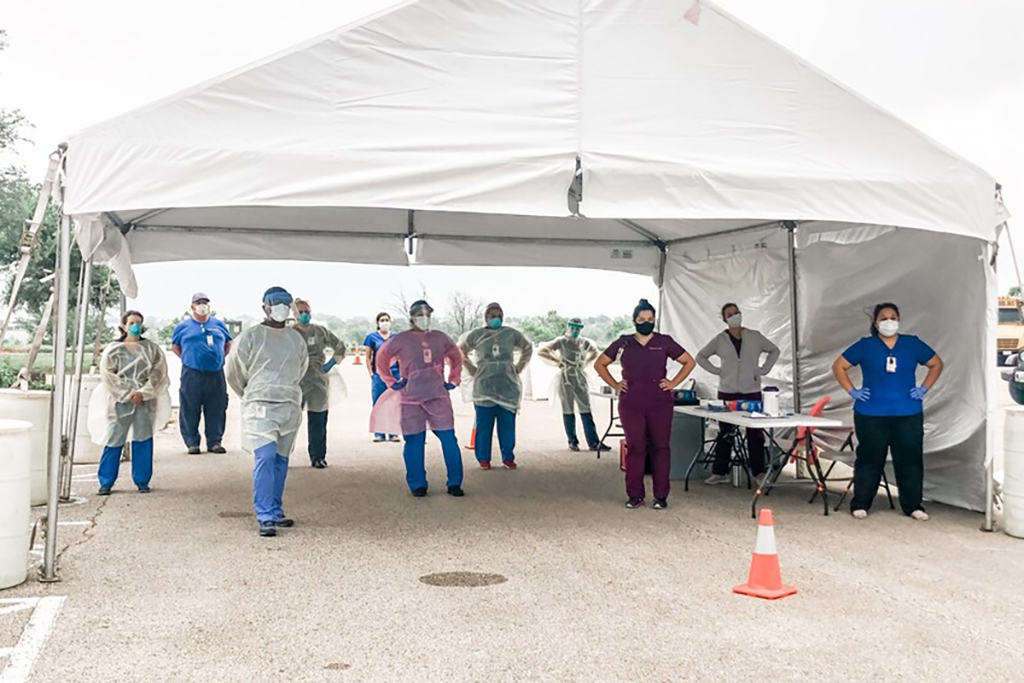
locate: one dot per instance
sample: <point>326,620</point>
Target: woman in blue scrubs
<point>888,413</point>
<point>373,342</point>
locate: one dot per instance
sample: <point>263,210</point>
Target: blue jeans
<point>268,477</point>
<point>485,419</point>
<point>202,394</point>
<point>316,428</point>
<point>377,389</point>
<point>414,450</point>
<point>142,464</point>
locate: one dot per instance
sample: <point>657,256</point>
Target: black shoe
<point>574,447</point>
<point>319,464</point>
<point>217,448</point>
<point>284,522</point>
<point>660,504</point>
<point>419,493</point>
<point>144,489</point>
<point>600,448</point>
<point>104,491</point>
<point>194,450</point>
<point>268,529</point>
<point>634,503</point>
<point>456,491</point>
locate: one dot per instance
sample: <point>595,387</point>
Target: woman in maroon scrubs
<point>645,401</point>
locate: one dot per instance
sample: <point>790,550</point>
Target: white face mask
<point>385,325</point>
<point>202,309</point>
<point>735,321</point>
<point>280,312</point>
<point>422,322</point>
<point>889,328</point>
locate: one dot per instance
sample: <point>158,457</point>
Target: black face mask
<point>645,328</point>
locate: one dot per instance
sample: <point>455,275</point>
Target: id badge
<point>890,364</point>
<point>496,351</point>
<point>209,339</point>
<point>311,341</point>
<point>428,357</point>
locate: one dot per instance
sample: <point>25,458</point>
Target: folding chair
<point>847,454</point>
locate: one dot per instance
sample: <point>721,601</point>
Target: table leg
<point>696,456</point>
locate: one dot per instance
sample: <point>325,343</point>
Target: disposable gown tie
<point>127,368</point>
<point>265,368</point>
<point>494,361</point>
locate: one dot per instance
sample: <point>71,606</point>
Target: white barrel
<point>32,407</point>
<point>1013,472</point>
<point>85,450</point>
<point>15,507</point>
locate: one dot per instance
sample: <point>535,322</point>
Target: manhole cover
<point>233,514</point>
<point>463,579</point>
<point>337,666</point>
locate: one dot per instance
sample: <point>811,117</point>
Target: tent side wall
<point>841,274</point>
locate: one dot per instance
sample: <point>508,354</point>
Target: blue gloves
<point>449,386</point>
<point>917,393</point>
<point>400,384</point>
<point>330,364</point>
<point>862,394</point>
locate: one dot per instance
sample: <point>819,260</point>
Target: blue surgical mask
<point>304,318</point>
<point>495,323</point>
<point>135,329</point>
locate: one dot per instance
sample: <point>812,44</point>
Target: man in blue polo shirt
<point>202,342</point>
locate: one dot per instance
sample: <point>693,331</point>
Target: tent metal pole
<point>662,265</point>
<point>794,324</point>
<point>85,288</point>
<point>60,343</point>
<point>126,454</point>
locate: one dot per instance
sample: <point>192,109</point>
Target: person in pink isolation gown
<point>419,398</point>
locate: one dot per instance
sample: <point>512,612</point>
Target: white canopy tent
<point>659,137</point>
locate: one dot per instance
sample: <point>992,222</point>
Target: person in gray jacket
<point>739,373</point>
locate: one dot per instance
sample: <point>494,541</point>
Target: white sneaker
<point>716,479</point>
<point>860,514</point>
<point>919,515</point>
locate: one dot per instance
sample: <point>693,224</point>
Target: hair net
<point>424,400</point>
<point>264,368</point>
<point>644,305</point>
<point>317,386</point>
<point>494,359</point>
<point>573,357</point>
<point>127,368</point>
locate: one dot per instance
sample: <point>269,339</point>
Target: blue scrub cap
<point>277,295</point>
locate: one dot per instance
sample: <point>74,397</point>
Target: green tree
<point>1014,291</point>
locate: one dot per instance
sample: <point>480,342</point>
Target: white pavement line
<point>33,638</point>
<point>11,609</point>
<point>6,651</point>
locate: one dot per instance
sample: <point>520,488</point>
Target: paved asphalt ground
<point>177,586</point>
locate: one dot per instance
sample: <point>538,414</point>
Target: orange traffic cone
<point>765,580</point>
<point>358,360</point>
<point>472,440</point>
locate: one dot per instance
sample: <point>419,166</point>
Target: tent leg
<point>662,264</point>
<point>794,325</point>
<point>126,454</point>
<point>68,463</point>
<point>60,343</point>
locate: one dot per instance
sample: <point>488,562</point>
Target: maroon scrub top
<point>643,368</point>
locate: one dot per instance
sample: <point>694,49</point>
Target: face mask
<point>575,333</point>
<point>304,318</point>
<point>735,321</point>
<point>888,328</point>
<point>384,325</point>
<point>279,312</point>
<point>645,328</point>
<point>422,322</point>
<point>495,323</point>
<point>135,329</point>
<point>203,309</point>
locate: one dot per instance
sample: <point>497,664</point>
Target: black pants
<point>589,429</point>
<point>316,428</point>
<point>202,394</point>
<point>876,437</point>
<point>723,449</point>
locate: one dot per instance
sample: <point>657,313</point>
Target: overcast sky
<point>952,68</point>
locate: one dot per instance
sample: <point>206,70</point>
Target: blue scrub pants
<point>202,394</point>
<point>377,389</point>
<point>413,452</point>
<point>268,483</point>
<point>142,463</point>
<point>316,428</point>
<point>485,419</point>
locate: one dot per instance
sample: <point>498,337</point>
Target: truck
<point>1010,329</point>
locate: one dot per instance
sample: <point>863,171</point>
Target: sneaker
<point>284,522</point>
<point>574,447</point>
<point>456,491</point>
<point>318,464</point>
<point>104,491</point>
<point>394,439</point>
<point>634,503</point>
<point>419,493</point>
<point>716,479</point>
<point>660,504</point>
<point>378,439</point>
<point>919,515</point>
<point>860,514</point>
<point>600,448</point>
<point>268,529</point>
<point>218,449</point>
<point>144,489</point>
<point>509,464</point>
<point>485,464</point>
<point>194,450</point>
